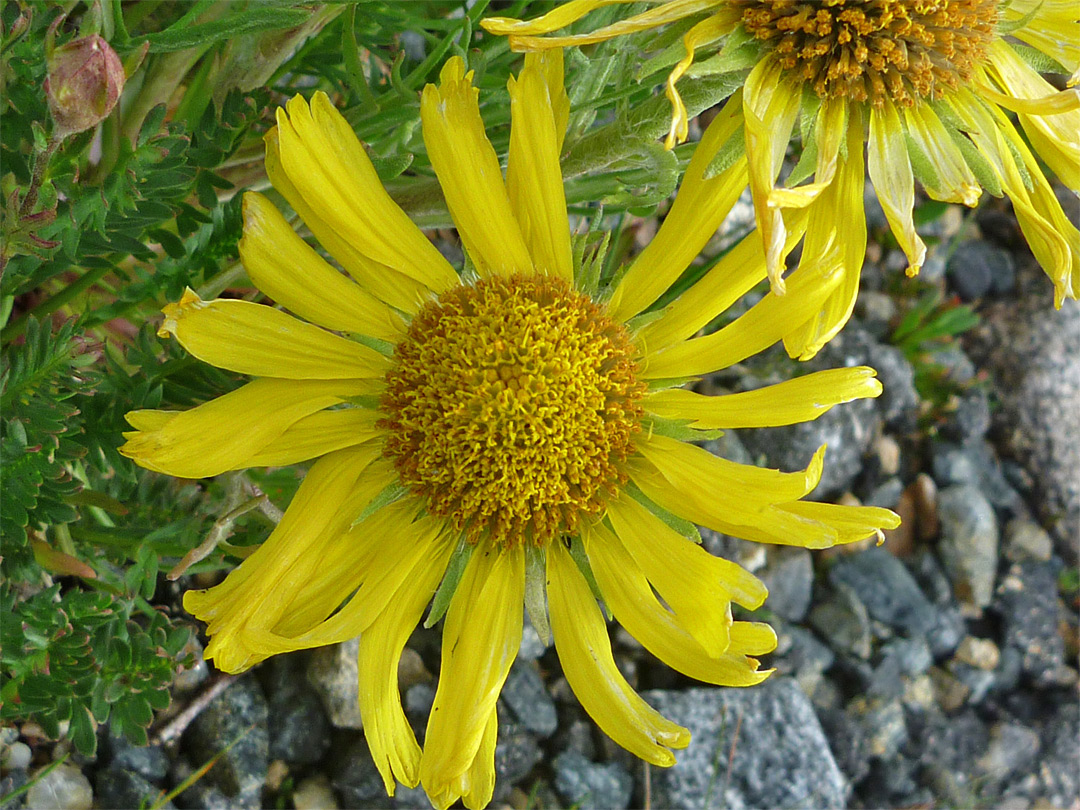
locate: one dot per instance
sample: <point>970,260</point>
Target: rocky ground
<point>939,670</point>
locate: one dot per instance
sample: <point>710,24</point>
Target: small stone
<point>969,543</point>
<point>802,656</point>
<point>919,693</point>
<point>276,774</point>
<point>1013,748</point>
<point>315,793</point>
<point>357,780</point>
<point>1025,540</point>
<point>150,762</point>
<point>971,419</point>
<point>590,785</point>
<point>16,755</point>
<point>334,672</point>
<point>883,721</point>
<point>887,450</point>
<point>876,310</point>
<point>977,269</point>
<point>62,788</point>
<point>900,541</point>
<point>926,511</point>
<point>516,754</point>
<point>299,729</point>
<point>532,647</point>
<point>789,576</point>
<point>10,782</point>
<point>527,697</point>
<point>950,692</point>
<point>1028,603</point>
<point>188,678</point>
<point>411,669</point>
<point>981,653</point>
<point>419,700</point>
<point>843,621</point>
<point>117,787</point>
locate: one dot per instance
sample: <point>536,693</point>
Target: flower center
<point>870,50</point>
<point>509,407</point>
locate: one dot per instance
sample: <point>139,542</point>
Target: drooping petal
<point>316,435</point>
<point>229,433</point>
<point>729,280</point>
<point>708,30</point>
<point>581,639</point>
<point>799,400</point>
<point>764,324</point>
<point>327,165</point>
<point>890,172</point>
<point>389,736</point>
<point>1050,25</point>
<point>480,779</point>
<point>770,106</point>
<point>241,612</point>
<point>469,173</point>
<point>954,181</point>
<point>698,210</point>
<point>697,586</point>
<point>255,339</point>
<point>284,267</point>
<point>830,129</point>
<point>835,248</point>
<point>481,637</point>
<point>396,289</point>
<point>533,176</point>
<point>631,599</point>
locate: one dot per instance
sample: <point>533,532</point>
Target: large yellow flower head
<point>486,440</point>
<point>925,85</point>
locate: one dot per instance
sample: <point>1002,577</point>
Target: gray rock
<point>9,783</point>
<point>532,646</point>
<point>801,655</point>
<point>418,702</point>
<point>334,673</point>
<point>516,754</point>
<point>974,463</point>
<point>357,780</point>
<point>886,494</point>
<point>971,419</point>
<point>948,748</point>
<point>789,576</point>
<point>969,543</point>
<point>299,728</point>
<point>876,312</point>
<point>527,697</point>
<point>883,724</point>
<point>151,762</point>
<point>1059,764</point>
<point>1025,540</point>
<point>1012,750</point>
<point>1028,603</point>
<point>843,621</point>
<point>233,725</point>
<point>847,741</point>
<point>848,430</point>
<point>977,269</point>
<point>590,785</point>
<point>1035,370</point>
<point>117,787</point>
<point>901,660</point>
<point>771,766</point>
<point>62,788</point>
<point>203,794</point>
<point>188,678</point>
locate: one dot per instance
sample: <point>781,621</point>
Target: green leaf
<point>451,579</point>
<point>203,35</point>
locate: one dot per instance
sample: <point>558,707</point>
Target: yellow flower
<point>503,431</point>
<point>924,84</point>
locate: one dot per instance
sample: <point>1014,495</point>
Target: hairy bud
<point>84,83</point>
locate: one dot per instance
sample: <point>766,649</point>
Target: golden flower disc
<point>509,406</point>
<point>871,50</point>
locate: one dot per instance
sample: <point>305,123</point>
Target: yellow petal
<point>316,435</point>
<point>770,106</point>
<point>1050,25</point>
<point>894,182</point>
<point>284,267</point>
<point>581,639</point>
<point>522,32</point>
<point>851,523</point>
<point>386,729</point>
<point>480,779</point>
<point>830,129</point>
<point>697,586</point>
<point>326,164</point>
<point>631,599</point>
<point>228,433</point>
<point>533,176</point>
<point>730,279</point>
<point>698,210</point>
<point>799,400</point>
<point>265,342</point>
<point>469,173</point>
<point>387,284</point>
<point>708,30</point>
<point>835,248</point>
<point>240,612</point>
<point>764,324</point>
<point>955,181</point>
<point>1051,119</point>
<point>480,641</point>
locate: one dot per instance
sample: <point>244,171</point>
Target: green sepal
<point>455,569</point>
<point>581,559</point>
<point>383,347</point>
<point>678,429</point>
<point>664,383</point>
<point>587,272</point>
<point>809,104</point>
<point>390,167</point>
<point>1005,27</point>
<point>1021,167</point>
<point>390,493</point>
<point>1037,60</point>
<point>807,164</point>
<point>369,401</point>
<point>984,172</point>
<point>672,521</point>
<point>921,166</point>
<point>645,318</point>
<point>536,592</point>
<point>726,156</point>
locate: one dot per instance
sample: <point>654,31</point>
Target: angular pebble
<point>528,698</point>
<point>62,788</point>
<point>590,785</point>
<point>781,757</point>
<point>969,543</point>
<point>334,673</point>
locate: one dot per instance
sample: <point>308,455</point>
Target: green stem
<point>16,328</point>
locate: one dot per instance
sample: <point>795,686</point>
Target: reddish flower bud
<point>84,83</point>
